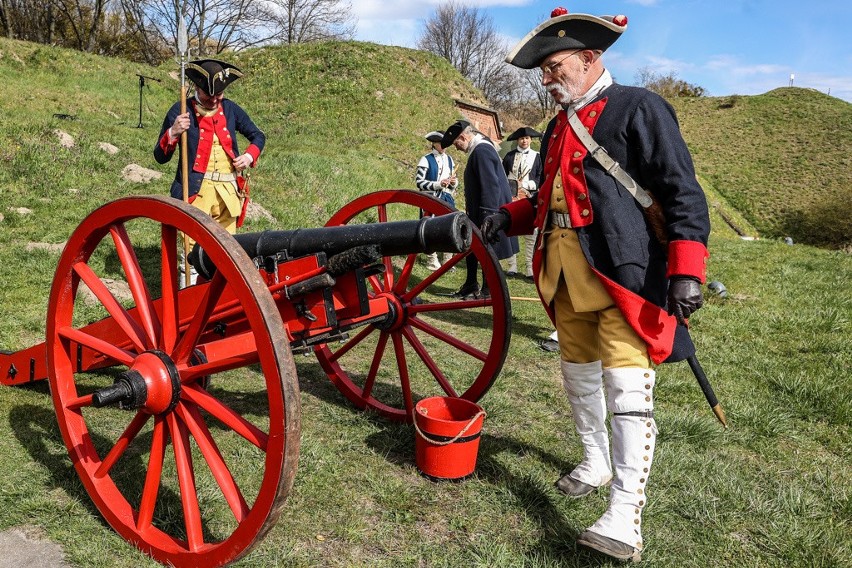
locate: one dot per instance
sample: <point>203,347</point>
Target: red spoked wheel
<point>437,344</point>
<point>206,370</point>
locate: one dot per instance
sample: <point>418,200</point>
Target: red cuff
<point>688,258</point>
<point>254,152</point>
<point>165,146</point>
<point>522,214</point>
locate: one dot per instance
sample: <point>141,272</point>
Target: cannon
<point>179,408</point>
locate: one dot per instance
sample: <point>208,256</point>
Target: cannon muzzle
<point>452,232</point>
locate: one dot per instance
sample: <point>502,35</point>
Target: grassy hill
<point>346,119</point>
<point>782,159</point>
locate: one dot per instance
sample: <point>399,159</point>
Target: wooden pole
<point>184,180</point>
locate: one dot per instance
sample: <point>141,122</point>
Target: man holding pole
<point>212,163</point>
<point>617,268</point>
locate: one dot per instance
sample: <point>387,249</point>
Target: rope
<point>448,442</point>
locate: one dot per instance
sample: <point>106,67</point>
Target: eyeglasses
<point>551,68</point>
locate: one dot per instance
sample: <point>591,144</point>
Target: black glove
<point>684,297</point>
<point>493,224</point>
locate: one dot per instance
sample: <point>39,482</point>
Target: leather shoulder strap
<point>612,167</point>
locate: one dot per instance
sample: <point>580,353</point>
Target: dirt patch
<point>49,247</point>
<point>24,547</point>
<point>255,212</point>
<point>136,173</point>
<point>65,139</point>
<point>119,288</point>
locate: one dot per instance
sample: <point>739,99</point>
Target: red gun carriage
<point>209,369</point>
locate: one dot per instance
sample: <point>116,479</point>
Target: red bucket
<point>447,440</point>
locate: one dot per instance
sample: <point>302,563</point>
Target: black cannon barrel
<point>452,232</point>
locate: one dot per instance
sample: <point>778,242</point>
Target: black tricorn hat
<point>212,75</point>
<point>564,31</point>
<point>435,136</point>
<point>524,131</point>
<point>453,132</point>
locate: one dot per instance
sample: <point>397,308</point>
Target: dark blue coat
<point>486,188</point>
<point>235,120</point>
<point>639,130</point>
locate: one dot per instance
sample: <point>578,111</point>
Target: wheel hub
<point>152,384</point>
<point>396,313</point>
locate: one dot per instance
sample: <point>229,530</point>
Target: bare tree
<point>465,36</point>
<point>212,25</point>
<point>667,85</point>
<point>301,21</point>
<point>83,19</point>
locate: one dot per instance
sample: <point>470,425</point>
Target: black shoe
<point>485,294</point>
<point>511,274</point>
<point>467,291</point>
<point>549,345</point>
<point>609,546</point>
<point>573,487</point>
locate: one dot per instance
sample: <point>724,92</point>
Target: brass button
<point>647,447</point>
<point>639,491</point>
<point>577,154</point>
<point>645,469</point>
<point>646,458</point>
<point>641,502</point>
<point>638,511</point>
<point>641,480</point>
<point>576,170</point>
<point>648,435</point>
<point>584,213</point>
<point>636,521</point>
<point>558,199</point>
<point>647,399</point>
<point>647,375</point>
<point>582,197</point>
<point>549,160</point>
<point>648,424</point>
<point>593,114</point>
<point>647,386</point>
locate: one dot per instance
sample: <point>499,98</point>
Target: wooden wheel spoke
<point>376,284</point>
<point>226,415</point>
<point>169,286</point>
<point>447,338</point>
<point>405,275</point>
<point>430,279</point>
<point>186,482</point>
<point>122,443</point>
<point>136,282</point>
<point>374,365</point>
<point>404,378</point>
<point>127,324</point>
<point>189,340</point>
<point>96,344</point>
<point>361,336</point>
<point>195,422</point>
<point>151,489</point>
<point>429,362</point>
<point>190,374</point>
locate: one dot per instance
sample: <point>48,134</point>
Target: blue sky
<point>744,47</point>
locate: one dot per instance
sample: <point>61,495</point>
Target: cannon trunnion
<point>180,409</point>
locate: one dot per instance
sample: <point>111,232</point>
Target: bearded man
<point>616,290</point>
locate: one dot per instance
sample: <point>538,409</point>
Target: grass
<point>774,490</point>
<point>778,159</point>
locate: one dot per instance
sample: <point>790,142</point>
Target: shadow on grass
<point>556,534</point>
<point>37,431</point>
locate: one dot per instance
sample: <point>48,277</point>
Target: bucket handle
<point>456,438</point>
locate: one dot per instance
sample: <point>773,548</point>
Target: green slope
<point>782,159</point>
